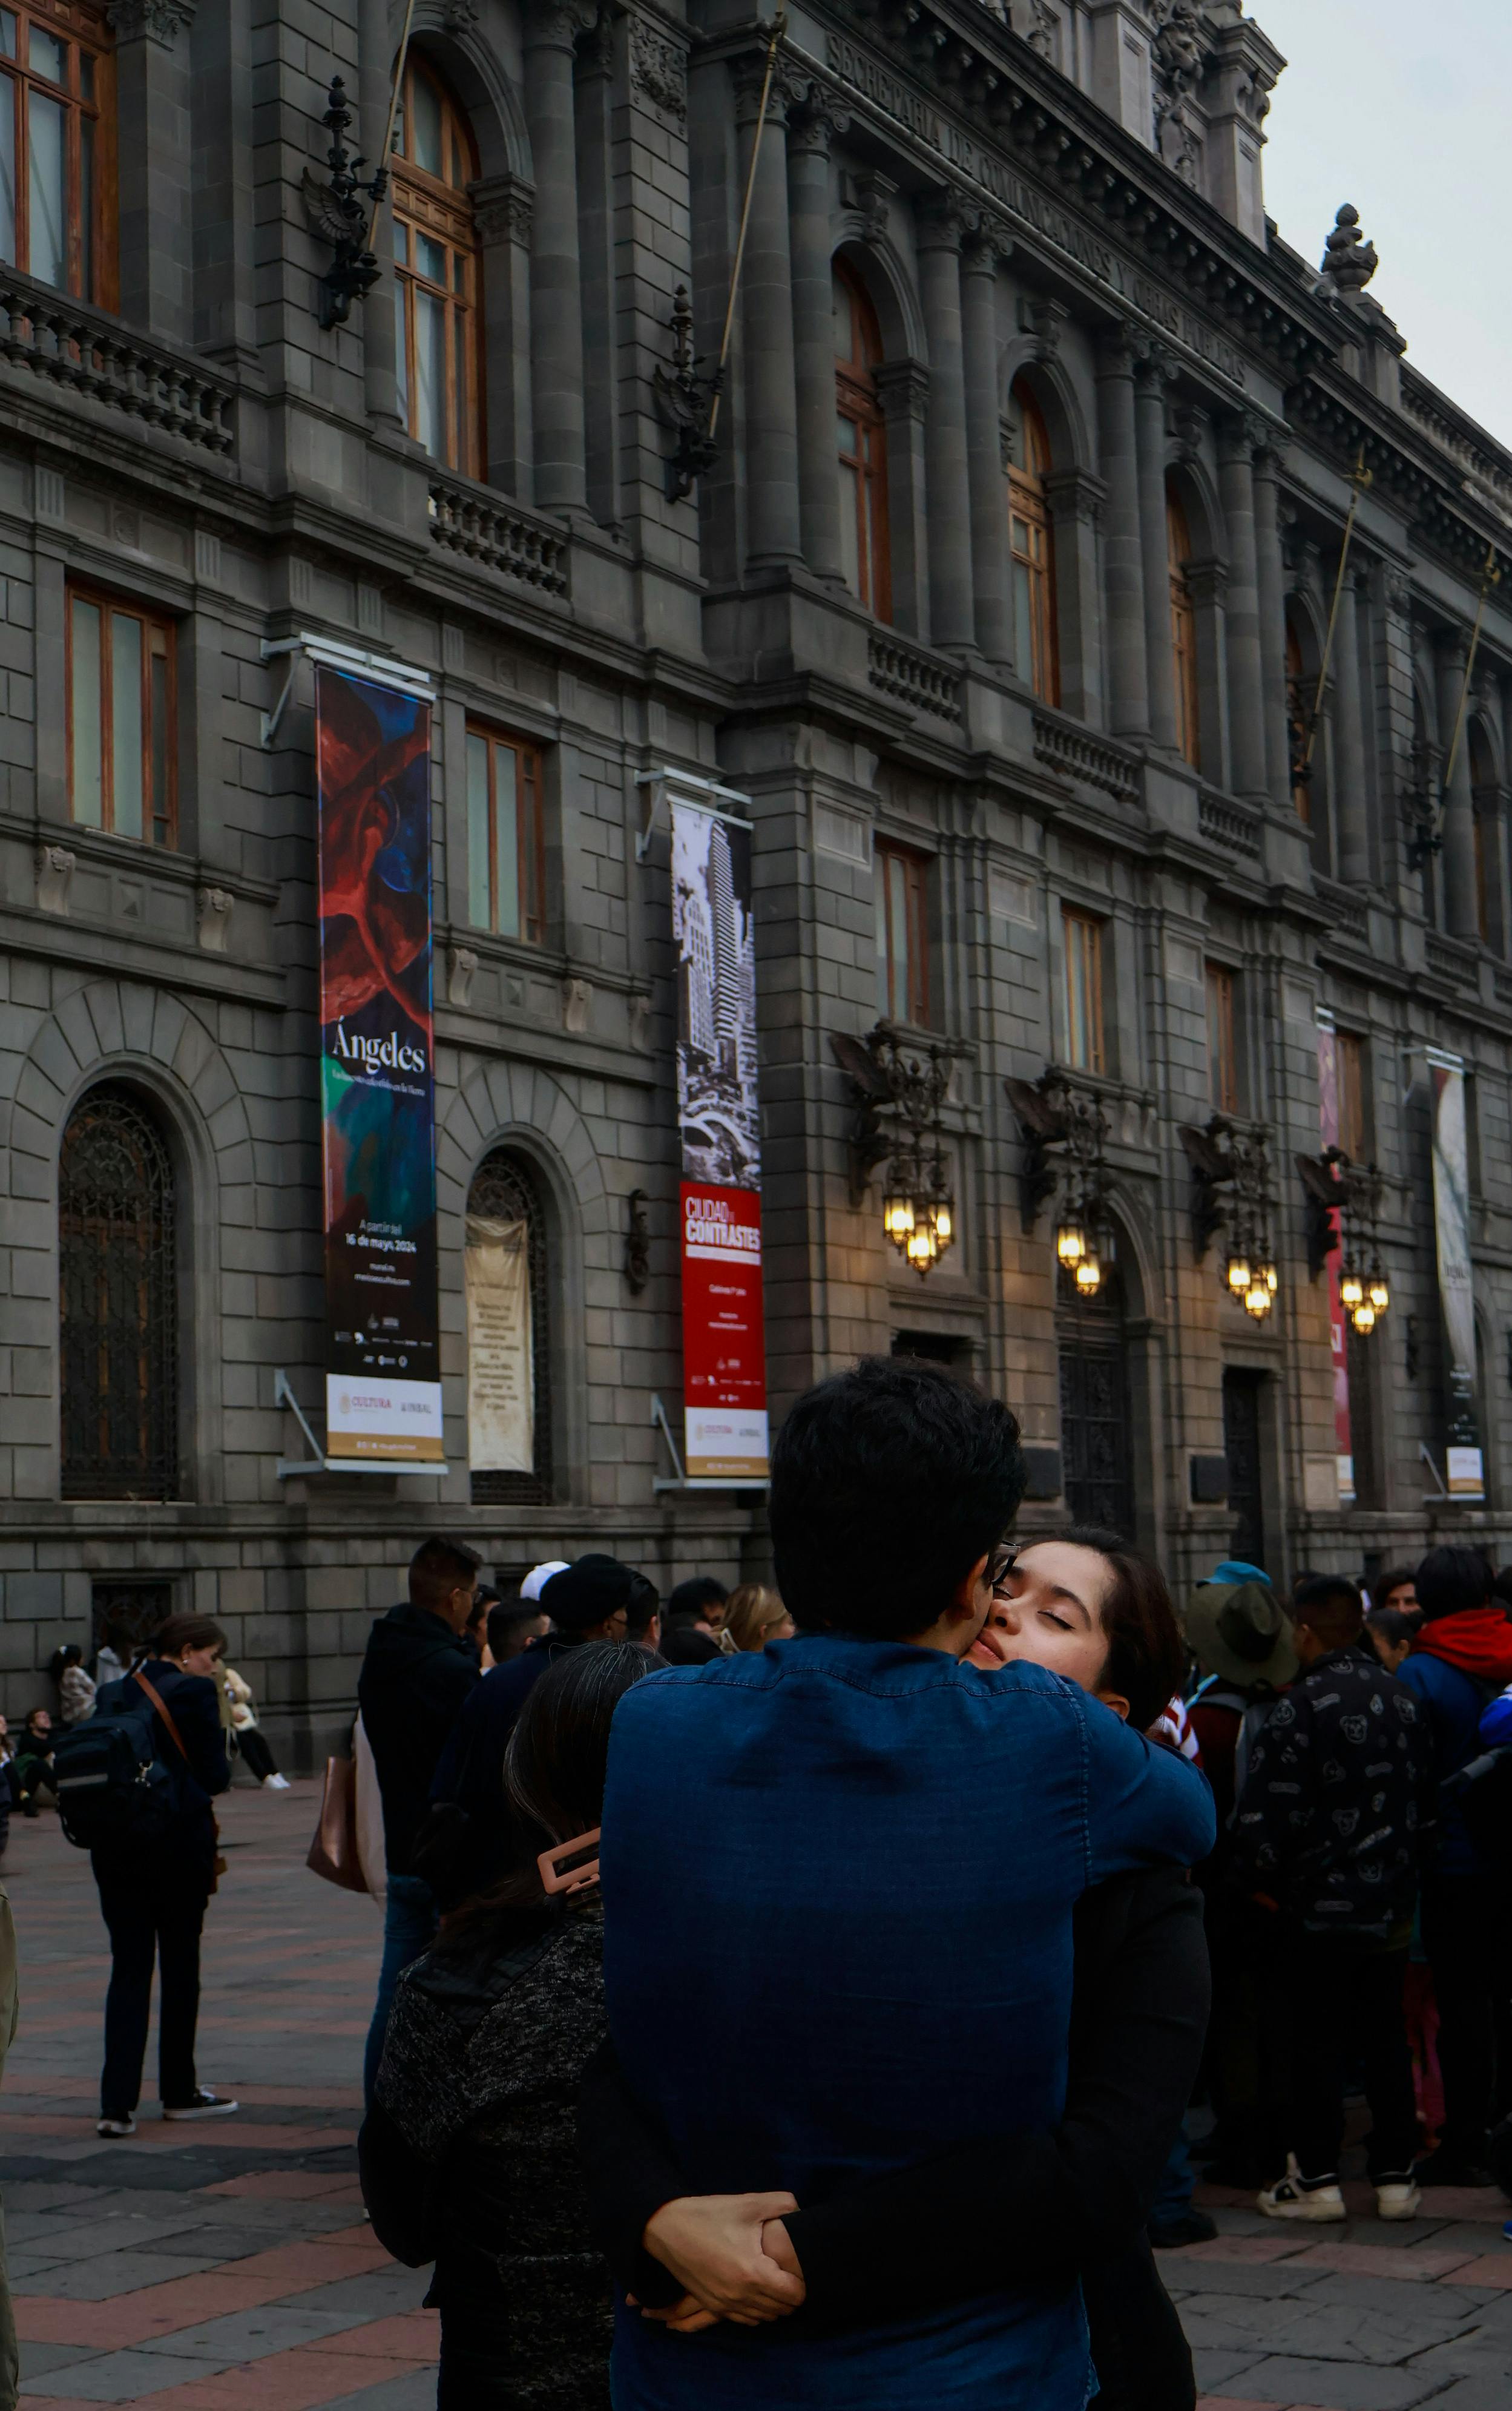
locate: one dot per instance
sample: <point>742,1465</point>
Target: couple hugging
<point>904,1983</point>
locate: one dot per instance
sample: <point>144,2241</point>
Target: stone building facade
<point>1004,602</point>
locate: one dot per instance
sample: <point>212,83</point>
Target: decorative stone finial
<point>1349,261</point>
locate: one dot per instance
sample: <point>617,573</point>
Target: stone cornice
<point>1094,206</point>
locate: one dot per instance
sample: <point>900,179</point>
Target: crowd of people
<point>827,2031</point>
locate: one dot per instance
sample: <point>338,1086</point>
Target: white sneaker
<point>1291,2199</point>
<point>116,2126</point>
<point>204,2105</point>
<point>1400,2198</point>
<point>275,1782</point>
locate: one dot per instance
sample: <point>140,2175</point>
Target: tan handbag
<point>333,1853</point>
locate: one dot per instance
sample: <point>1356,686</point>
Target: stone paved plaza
<point>230,2267</point>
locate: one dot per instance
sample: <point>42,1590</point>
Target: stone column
<point>903,390</point>
<point>773,523</point>
<point>1270,580</point>
<point>1246,677</point>
<point>502,211</point>
<point>551,30</point>
<point>154,172</point>
<point>991,564</point>
<point>380,341</point>
<point>950,617</point>
<point>1461,904</point>
<point>810,125</point>
<point>1122,570</point>
<point>1351,815</point>
<point>1151,378</point>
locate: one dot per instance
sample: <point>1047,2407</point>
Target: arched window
<point>1033,546</point>
<point>1182,629</point>
<point>438,282</point>
<point>1096,1461</point>
<point>56,107</point>
<point>119,1305</point>
<point>1298,709</point>
<point>508,1332</point>
<point>861,434</point>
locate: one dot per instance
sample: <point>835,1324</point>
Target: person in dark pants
<point>1460,1657</point>
<point>1328,1838</point>
<point>154,1895</point>
<point>417,1675</point>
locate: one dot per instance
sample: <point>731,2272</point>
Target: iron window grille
<point>119,1305</point>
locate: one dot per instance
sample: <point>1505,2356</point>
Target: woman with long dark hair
<point>469,2155</point>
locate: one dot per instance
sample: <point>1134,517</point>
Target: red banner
<point>724,1357</point>
<point>723,1343</point>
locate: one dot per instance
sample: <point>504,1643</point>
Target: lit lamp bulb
<point>1071,1244</point>
<point>1088,1276</point>
<point>1378,1295</point>
<point>1270,1279</point>
<point>1257,1300</point>
<point>942,1220</point>
<point>921,1248</point>
<point>1363,1318</point>
<point>1238,1275</point>
<point>1351,1289</point>
<point>898,1217</point>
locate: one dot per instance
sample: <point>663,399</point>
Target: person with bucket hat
<point>1241,1638</point>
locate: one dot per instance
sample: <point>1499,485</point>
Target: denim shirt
<point>837,1883</point>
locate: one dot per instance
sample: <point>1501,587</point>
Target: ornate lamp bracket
<point>1065,1130</point>
<point>898,1093</point>
<point>1231,1171</point>
<point>337,211</point>
<point>683,400</point>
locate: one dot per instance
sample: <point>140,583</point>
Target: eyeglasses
<point>1000,1565</point>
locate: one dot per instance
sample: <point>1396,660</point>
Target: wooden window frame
<point>1027,506</point>
<point>530,833</point>
<point>1183,631</point>
<point>1349,1072</point>
<point>1086,929</point>
<point>1219,986</point>
<point>90,254</point>
<point>856,400</point>
<point>155,624</point>
<point>916,868</point>
<point>439,209</point>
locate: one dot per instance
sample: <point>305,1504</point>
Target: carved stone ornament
<point>577,998</point>
<point>1040,28</point>
<point>56,868</point>
<point>1177,53</point>
<point>503,208</point>
<point>461,970</point>
<point>872,194</point>
<point>640,1024</point>
<point>658,68</point>
<point>1044,319</point>
<point>461,16</point>
<point>814,118</point>
<point>1349,261</point>
<point>163,19</point>
<point>216,906</point>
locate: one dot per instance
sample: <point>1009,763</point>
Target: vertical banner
<point>723,1337</point>
<point>500,1387</point>
<point>1464,1471</point>
<point>378,1115</point>
<point>1327,1117</point>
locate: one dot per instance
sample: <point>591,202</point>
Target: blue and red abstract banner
<point>378,1111</point>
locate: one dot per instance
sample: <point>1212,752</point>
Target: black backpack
<point>113,1786</point>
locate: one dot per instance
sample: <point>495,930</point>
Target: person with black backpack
<point>135,1786</point>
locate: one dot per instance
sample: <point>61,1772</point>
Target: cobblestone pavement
<point>229,2267</point>
<point>225,2267</point>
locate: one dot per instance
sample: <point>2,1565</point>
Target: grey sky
<point>1402,108</point>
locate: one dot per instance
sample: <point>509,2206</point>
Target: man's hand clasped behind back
<point>731,2252</point>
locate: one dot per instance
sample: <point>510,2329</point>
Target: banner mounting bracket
<point>378,670</point>
<point>682,1480</point>
<point>699,795</point>
<point>283,1397</point>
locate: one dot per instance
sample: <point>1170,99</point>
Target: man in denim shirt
<point>838,1877</point>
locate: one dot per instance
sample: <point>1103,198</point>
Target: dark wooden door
<point>1241,1447</point>
<point>1094,1428</point>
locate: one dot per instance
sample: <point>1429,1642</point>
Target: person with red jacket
<point>1459,1659</point>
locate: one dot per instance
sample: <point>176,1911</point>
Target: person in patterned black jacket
<point>1329,1836</point>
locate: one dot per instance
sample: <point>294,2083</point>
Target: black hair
<point>438,1568</point>
<point>1381,1586</point>
<point>1450,1580</point>
<point>505,1619</point>
<point>1395,1625</point>
<point>32,1714</point>
<point>558,1752</point>
<point>69,1654</point>
<point>687,1602</point>
<point>1331,1606</point>
<point>888,1483</point>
